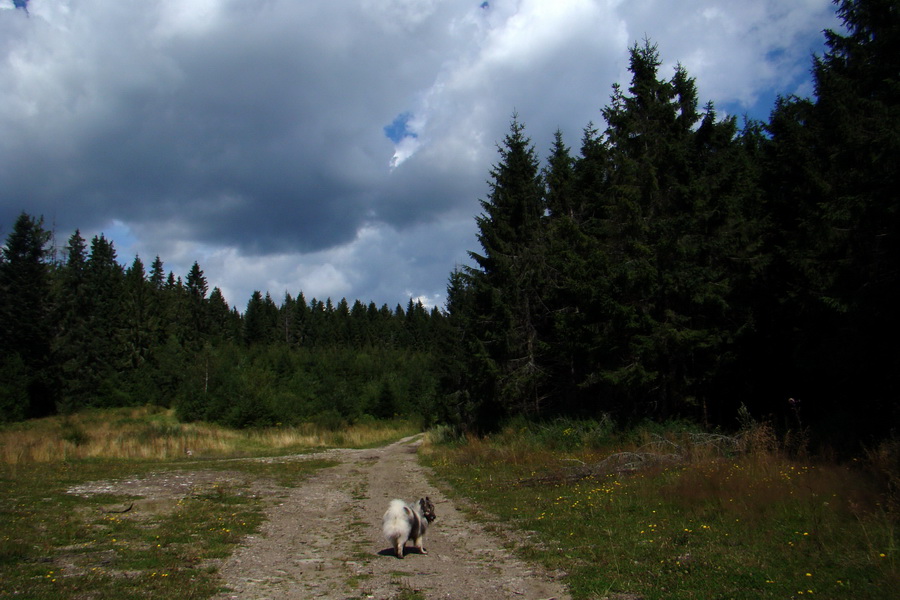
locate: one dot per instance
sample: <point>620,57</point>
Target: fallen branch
<point>130,506</point>
<point>621,462</point>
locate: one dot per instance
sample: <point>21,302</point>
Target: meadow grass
<point>681,514</point>
<point>154,433</point>
<point>61,479</point>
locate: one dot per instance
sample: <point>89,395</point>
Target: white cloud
<point>403,149</point>
<point>249,135</point>
<point>399,16</point>
<point>736,50</point>
<point>178,17</point>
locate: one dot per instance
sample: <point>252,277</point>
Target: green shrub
<point>72,433</point>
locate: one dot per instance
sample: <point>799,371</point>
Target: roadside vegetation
<point>107,503</point>
<point>154,433</point>
<point>675,512</point>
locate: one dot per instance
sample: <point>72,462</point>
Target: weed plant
<point>675,513</point>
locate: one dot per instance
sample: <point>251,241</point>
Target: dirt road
<point>323,540</point>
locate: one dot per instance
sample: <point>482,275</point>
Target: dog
<point>403,522</point>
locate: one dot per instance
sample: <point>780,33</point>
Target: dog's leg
<point>420,544</point>
<point>398,548</point>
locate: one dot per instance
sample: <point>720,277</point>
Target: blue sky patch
<point>399,129</point>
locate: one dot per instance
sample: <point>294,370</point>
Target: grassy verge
<point>154,433</point>
<point>58,544</point>
<point>62,530</point>
<point>681,514</point>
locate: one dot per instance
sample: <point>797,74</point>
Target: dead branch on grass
<point>660,452</point>
<point>125,510</point>
<point>619,463</point>
<point>628,462</point>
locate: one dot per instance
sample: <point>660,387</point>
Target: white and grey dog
<point>403,522</point>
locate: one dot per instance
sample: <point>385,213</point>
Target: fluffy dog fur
<point>403,522</point>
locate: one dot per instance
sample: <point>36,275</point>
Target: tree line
<point>676,265</point>
<point>680,265</point>
<point>82,331</point>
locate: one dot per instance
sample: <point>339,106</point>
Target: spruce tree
<point>72,309</point>
<point>224,322</point>
<point>198,325</point>
<point>512,276</point>
<point>832,181</point>
<point>567,250</point>
<point>140,323</point>
<point>106,352</point>
<point>300,321</point>
<point>662,214</point>
<point>559,178</point>
<point>256,329</point>
<point>466,372</point>
<point>25,310</point>
<point>360,326</point>
<point>341,317</point>
<point>157,274</point>
<point>286,313</point>
<point>158,302</point>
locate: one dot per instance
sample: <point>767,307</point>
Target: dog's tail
<point>397,520</point>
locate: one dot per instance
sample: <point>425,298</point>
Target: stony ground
<point>323,540</point>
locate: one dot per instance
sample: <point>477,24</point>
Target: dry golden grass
<point>665,511</point>
<point>154,433</point>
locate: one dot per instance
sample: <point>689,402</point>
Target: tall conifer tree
<point>512,275</point>
<point>196,287</point>
<point>73,333</point>
<point>25,308</point>
<point>832,181</point>
<point>663,226</point>
<point>107,352</point>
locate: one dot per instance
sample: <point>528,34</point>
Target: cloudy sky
<point>339,147</point>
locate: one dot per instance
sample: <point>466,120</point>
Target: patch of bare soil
<point>323,540</point>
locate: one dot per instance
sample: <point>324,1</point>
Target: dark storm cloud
<point>258,129</point>
<point>340,147</point>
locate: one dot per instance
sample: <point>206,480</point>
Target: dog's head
<point>427,507</point>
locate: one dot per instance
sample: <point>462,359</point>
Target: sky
<point>337,148</point>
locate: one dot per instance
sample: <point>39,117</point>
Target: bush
<point>72,433</point>
<point>330,420</point>
<point>561,434</point>
<point>13,389</point>
<point>248,411</point>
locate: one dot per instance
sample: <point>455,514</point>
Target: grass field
<point>153,433</point>
<point>678,514</point>
<point>65,482</point>
<point>655,512</point>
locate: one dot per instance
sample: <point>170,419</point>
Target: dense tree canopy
<point>831,176</point>
<point>83,331</point>
<point>680,266</point>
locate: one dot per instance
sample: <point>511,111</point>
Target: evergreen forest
<point>83,332</point>
<point>677,264</point>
